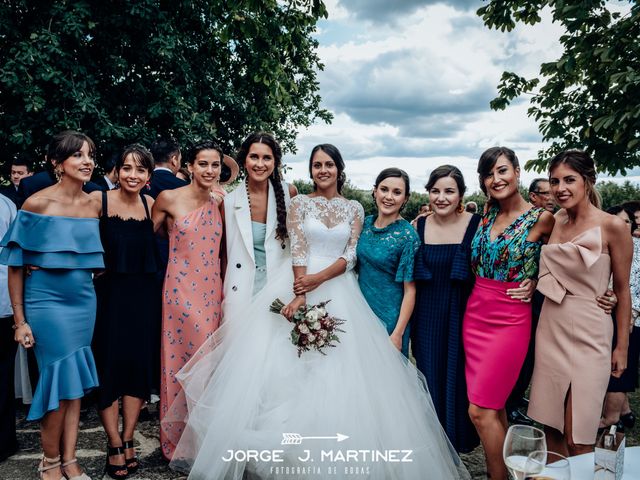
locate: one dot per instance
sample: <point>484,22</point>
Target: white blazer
<point>241,265</point>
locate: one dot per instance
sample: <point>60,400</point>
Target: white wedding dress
<point>247,387</point>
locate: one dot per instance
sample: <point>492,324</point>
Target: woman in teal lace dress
<point>497,324</point>
<point>57,234</point>
<point>386,251</point>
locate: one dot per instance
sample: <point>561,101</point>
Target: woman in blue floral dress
<point>496,328</point>
<point>386,251</point>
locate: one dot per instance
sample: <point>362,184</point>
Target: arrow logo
<point>296,438</point>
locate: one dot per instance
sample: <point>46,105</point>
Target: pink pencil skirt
<point>495,335</point>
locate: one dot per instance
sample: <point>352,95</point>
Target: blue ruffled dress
<point>385,262</point>
<point>59,301</point>
<point>443,284</point>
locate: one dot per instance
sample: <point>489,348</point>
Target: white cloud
<point>412,91</point>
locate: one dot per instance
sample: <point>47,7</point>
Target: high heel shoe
<point>133,463</point>
<point>112,470</point>
<point>82,476</point>
<point>53,463</point>
<point>628,420</point>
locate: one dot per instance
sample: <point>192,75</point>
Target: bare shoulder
<point>546,221</point>
<point>96,194</point>
<point>614,225</point>
<point>293,191</point>
<point>149,199</point>
<point>36,204</point>
<point>165,197</point>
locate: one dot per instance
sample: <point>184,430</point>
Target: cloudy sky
<point>409,83</point>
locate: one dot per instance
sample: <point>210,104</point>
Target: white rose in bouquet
<point>312,316</point>
<point>315,326</point>
<point>311,338</point>
<point>302,328</point>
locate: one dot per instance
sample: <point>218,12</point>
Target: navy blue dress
<point>443,282</point>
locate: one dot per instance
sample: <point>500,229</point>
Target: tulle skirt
<point>256,409</point>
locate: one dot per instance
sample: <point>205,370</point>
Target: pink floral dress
<point>191,308</point>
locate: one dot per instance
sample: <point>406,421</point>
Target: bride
<point>256,410</point>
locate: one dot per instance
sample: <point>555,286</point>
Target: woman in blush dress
<point>497,323</point>
<point>191,309</point>
<point>56,234</point>
<point>574,359</point>
<point>444,281</point>
<point>386,252</point>
<point>126,294</point>
<point>255,222</point>
<point>252,387</point>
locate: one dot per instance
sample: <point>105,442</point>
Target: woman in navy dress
<point>386,252</point>
<point>122,343</point>
<point>444,281</point>
<point>56,233</point>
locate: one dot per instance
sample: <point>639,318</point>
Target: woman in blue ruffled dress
<point>56,235</point>
<point>444,282</point>
<point>386,251</point>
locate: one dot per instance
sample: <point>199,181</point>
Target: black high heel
<point>112,470</point>
<point>628,420</point>
<point>133,463</point>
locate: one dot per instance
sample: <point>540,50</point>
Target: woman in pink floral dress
<point>191,307</point>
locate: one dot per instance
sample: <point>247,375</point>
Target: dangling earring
<point>59,173</point>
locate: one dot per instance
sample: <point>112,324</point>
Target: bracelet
<point>15,326</point>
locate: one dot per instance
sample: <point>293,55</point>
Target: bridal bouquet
<point>313,327</point>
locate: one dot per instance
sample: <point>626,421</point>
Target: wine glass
<point>520,442</point>
<point>557,467</point>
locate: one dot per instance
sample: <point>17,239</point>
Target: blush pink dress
<point>573,339</point>
<point>191,308</point>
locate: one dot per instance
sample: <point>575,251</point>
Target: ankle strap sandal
<point>133,463</point>
<point>52,463</point>
<point>117,472</point>
<point>82,476</point>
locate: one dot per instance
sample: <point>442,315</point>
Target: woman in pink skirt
<point>497,323</point>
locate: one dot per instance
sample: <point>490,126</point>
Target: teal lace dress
<point>385,261</point>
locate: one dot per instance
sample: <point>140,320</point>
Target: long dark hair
<point>487,161</point>
<point>582,163</point>
<point>393,172</point>
<point>447,171</point>
<point>65,144</point>
<point>141,156</point>
<point>206,145</point>
<point>336,156</point>
<point>275,179</point>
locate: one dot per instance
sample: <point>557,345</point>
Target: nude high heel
<point>82,476</point>
<point>52,463</point>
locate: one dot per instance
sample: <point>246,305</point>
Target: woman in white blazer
<point>255,221</point>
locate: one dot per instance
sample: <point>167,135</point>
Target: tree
<point>615,194</point>
<point>590,97</point>
<point>124,70</point>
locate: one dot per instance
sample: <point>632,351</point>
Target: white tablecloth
<point>582,465</point>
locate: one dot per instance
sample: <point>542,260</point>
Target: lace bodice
<point>324,227</point>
